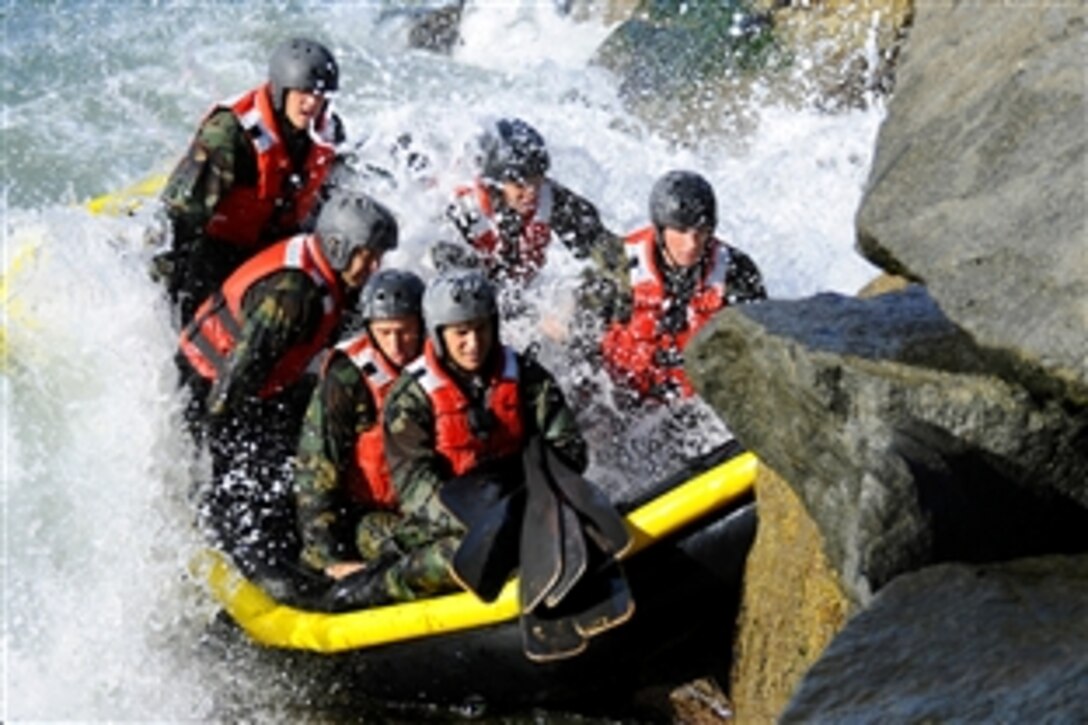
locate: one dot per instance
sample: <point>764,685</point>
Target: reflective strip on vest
<point>373,368</point>
<point>293,257</point>
<point>428,379</point>
<point>258,132</point>
<point>641,263</point>
<point>221,310</point>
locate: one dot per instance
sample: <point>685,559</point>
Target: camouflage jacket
<point>280,311</point>
<point>340,409</point>
<point>574,221</point>
<point>219,157</point>
<point>418,471</point>
<point>605,294</point>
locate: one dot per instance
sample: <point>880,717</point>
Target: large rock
<point>902,446</point>
<point>1000,643</point>
<point>978,184</point>
<point>792,605</point>
<point>945,423</point>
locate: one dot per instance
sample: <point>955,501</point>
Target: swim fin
<point>541,560</point>
<point>604,523</point>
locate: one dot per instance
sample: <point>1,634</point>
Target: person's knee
<point>427,571</point>
<point>376,535</point>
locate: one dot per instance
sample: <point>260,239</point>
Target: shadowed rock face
<point>999,643</point>
<point>903,447</point>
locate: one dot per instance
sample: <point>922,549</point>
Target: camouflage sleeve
<point>340,409</point>
<point>550,416</point>
<point>743,282</point>
<point>577,223</point>
<point>277,312</point>
<point>603,295</point>
<point>204,176</point>
<point>605,288</point>
<point>416,469</point>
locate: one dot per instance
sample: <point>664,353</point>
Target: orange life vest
<point>455,439</point>
<point>243,215</point>
<point>530,250</point>
<point>636,352</point>
<point>369,482</point>
<point>208,340</point>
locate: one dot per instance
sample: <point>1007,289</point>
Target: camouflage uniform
<point>605,296</point>
<point>219,157</point>
<point>247,505</point>
<point>422,545</point>
<point>574,221</point>
<point>340,410</point>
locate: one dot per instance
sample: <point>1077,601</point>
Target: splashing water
<point>101,619</point>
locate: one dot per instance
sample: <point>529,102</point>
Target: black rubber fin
<point>471,497</point>
<point>541,536</point>
<point>575,555</point>
<point>601,601</point>
<point>603,522</point>
<point>547,639</point>
<point>488,554</point>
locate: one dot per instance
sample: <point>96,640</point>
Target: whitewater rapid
<point>101,620</point>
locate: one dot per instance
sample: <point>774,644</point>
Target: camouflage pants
<point>417,552</point>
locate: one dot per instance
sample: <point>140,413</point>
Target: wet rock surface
<point>998,643</point>
<point>936,433</point>
<point>978,184</point>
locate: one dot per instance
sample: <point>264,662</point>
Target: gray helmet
<point>391,293</point>
<point>302,64</point>
<point>513,151</point>
<point>455,297</point>
<point>683,200</point>
<point>351,221</point>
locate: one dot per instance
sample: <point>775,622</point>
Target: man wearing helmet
<point>468,404</point>
<point>663,284</point>
<point>253,173</point>
<point>246,352</point>
<point>511,212</point>
<point>340,471</point>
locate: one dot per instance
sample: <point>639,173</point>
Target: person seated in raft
<point>244,357</point>
<point>512,212</point>
<point>254,173</point>
<point>468,404</point>
<point>654,290</point>
<point>340,468</point>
